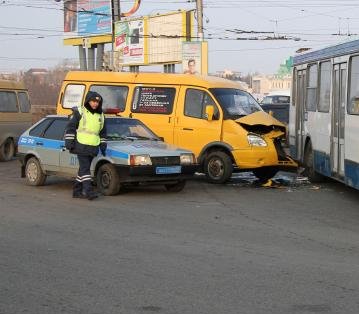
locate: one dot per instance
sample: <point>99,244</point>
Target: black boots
<point>77,190</point>
<point>84,190</point>
<point>88,190</point>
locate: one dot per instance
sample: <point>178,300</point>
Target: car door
<point>192,129</point>
<point>50,145</point>
<point>69,164</point>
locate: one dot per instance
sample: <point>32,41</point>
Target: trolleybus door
<point>338,118</point>
<point>300,114</point>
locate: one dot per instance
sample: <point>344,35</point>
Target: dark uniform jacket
<point>70,134</point>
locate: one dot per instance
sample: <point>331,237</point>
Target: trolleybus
<point>324,113</point>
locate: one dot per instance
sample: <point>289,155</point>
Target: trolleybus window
<point>324,87</point>
<point>353,104</point>
<point>312,88</point>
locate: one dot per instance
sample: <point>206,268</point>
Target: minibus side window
<point>8,101</point>
<point>155,100</point>
<point>114,97</point>
<point>196,102</point>
<point>73,96</point>
<point>24,101</point>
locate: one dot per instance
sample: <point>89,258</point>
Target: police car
<point>134,155</point>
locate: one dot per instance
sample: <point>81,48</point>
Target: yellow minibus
<point>215,118</point>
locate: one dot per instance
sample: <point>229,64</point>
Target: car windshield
<point>128,129</point>
<point>235,102</point>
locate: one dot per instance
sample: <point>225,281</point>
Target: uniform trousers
<point>83,180</point>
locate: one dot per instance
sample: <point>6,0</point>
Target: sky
<point>31,31</point>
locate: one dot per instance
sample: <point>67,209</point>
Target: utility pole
<point>116,16</point>
<point>116,10</point>
<point>200,19</point>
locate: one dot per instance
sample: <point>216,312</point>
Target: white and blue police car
<point>134,155</point>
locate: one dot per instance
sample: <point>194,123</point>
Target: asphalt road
<point>219,249</point>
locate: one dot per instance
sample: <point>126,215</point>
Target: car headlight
<point>140,160</point>
<point>255,140</point>
<point>187,159</point>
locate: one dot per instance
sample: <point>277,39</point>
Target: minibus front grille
<point>167,160</point>
<point>279,148</point>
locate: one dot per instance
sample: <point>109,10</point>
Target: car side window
<point>39,129</point>
<point>196,102</point>
<point>56,130</point>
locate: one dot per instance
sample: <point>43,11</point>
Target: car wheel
<point>176,187</point>
<point>309,171</point>
<point>7,150</point>
<point>218,167</point>
<point>108,180</point>
<point>265,173</point>
<point>34,173</point>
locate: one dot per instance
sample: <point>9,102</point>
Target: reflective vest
<point>89,128</point>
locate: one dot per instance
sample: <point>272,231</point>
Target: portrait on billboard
<point>191,67</point>
<point>70,16</point>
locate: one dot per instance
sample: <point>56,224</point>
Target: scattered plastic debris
<point>281,181</point>
<point>314,187</point>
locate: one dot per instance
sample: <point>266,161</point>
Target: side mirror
<point>270,113</point>
<point>209,112</point>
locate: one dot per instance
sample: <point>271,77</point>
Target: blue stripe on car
<point>115,153</point>
<point>31,141</point>
<point>48,143</point>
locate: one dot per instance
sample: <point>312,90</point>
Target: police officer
<point>85,135</point>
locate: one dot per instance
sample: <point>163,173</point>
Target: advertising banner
<point>84,18</point>
<point>192,57</point>
<point>129,41</point>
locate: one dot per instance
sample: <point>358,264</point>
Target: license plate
<point>168,170</point>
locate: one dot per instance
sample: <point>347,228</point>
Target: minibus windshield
<point>235,102</point>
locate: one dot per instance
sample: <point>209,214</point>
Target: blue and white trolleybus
<point>324,113</point>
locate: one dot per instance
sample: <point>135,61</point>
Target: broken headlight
<point>255,140</point>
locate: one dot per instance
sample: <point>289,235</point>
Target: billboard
<point>84,18</point>
<point>153,39</point>
<point>166,35</point>
<point>129,41</point>
<point>194,57</point>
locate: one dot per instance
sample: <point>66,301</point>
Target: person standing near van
<point>85,135</point>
